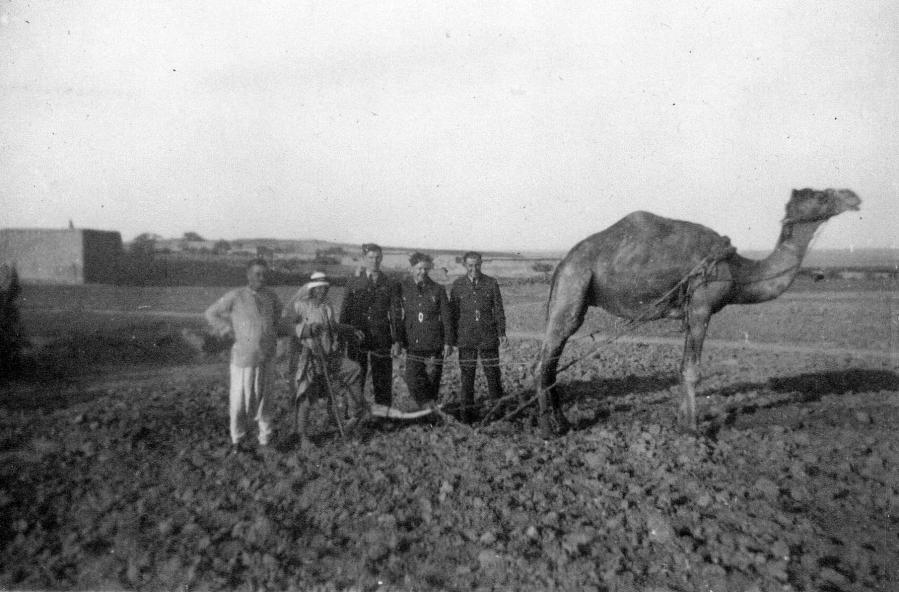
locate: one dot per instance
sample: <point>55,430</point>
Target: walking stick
<point>317,349</point>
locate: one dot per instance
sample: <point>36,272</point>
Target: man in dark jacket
<point>480,325</point>
<point>370,303</point>
<point>426,331</point>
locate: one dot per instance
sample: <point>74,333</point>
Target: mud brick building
<point>62,256</point>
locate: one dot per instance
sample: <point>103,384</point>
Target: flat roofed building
<point>63,256</point>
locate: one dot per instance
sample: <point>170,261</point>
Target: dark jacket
<point>478,316</point>
<point>427,324</point>
<point>372,307</point>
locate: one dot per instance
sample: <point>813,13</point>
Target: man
<point>251,315</point>
<point>479,320</point>
<point>370,302</point>
<point>316,360</point>
<point>426,330</point>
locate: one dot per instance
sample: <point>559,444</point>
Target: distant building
<point>247,248</point>
<point>183,245</point>
<point>62,256</point>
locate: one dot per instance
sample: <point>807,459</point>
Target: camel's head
<point>810,205</point>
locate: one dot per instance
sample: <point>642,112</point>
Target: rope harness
<point>678,296</point>
<point>683,292</point>
<point>699,276</point>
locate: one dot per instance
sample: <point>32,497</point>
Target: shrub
<point>14,345</point>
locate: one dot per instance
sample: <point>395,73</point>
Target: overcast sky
<point>487,125</point>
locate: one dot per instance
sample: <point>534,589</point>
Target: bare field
<point>863,320</point>
<point>115,473</point>
<point>848,314</point>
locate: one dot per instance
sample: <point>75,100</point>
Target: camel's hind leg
<point>697,324</point>
<point>567,308</point>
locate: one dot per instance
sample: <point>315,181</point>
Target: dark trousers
<point>468,365</point>
<point>381,371</point>
<point>423,372</point>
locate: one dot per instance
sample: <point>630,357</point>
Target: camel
<point>646,267</point>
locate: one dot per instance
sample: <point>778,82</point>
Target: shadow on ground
<point>814,385</point>
<point>598,399</point>
<point>588,402</point>
<point>794,391</point>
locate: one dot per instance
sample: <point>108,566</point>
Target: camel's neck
<point>758,281</point>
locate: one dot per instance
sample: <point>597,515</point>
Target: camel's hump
<point>645,231</point>
<point>642,223</point>
<point>643,217</point>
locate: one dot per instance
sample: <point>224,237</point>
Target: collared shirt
<point>477,309</point>
<point>252,315</point>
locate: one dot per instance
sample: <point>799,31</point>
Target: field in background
<point>858,319</point>
<point>292,267</point>
<point>75,327</point>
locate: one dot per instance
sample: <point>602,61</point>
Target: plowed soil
<point>122,479</point>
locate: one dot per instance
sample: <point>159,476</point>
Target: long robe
<point>305,365</point>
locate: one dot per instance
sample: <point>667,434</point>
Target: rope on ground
<point>701,270</point>
<point>452,421</point>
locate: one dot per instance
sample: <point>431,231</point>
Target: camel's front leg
<point>697,324</point>
<point>565,314</point>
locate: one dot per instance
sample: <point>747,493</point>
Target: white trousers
<point>249,397</point>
